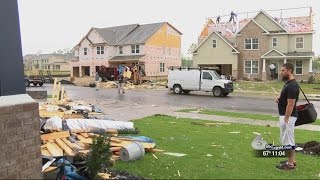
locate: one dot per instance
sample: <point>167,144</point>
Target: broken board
<point>55,135</point>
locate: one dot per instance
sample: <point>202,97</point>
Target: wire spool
<point>132,152</point>
<point>258,143</point>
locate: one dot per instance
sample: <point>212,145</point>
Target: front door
<point>206,81</point>
<point>274,70</point>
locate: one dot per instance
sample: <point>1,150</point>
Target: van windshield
<point>215,75</point>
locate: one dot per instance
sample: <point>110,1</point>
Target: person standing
<point>97,81</point>
<point>120,83</point>
<point>288,113</point>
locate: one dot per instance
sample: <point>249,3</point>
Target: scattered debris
<point>174,154</point>
<point>209,155</point>
<point>210,124</point>
<point>154,156</point>
<point>235,132</point>
<point>256,133</point>
<point>179,173</point>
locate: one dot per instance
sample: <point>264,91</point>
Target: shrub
<point>311,79</point>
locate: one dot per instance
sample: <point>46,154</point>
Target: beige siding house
<point>53,62</point>
<point>260,47</point>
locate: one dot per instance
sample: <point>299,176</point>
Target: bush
<point>257,79</point>
<point>99,158</point>
<point>311,79</point>
<point>246,79</point>
<point>72,79</point>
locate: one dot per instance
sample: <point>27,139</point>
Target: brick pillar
<point>20,144</point>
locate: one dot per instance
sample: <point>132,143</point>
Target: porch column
<point>264,74</point>
<point>310,66</point>
<point>264,65</point>
<point>284,61</point>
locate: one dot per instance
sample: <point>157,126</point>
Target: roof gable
<point>271,25</point>
<point>234,50</point>
<point>273,52</point>
<point>113,35</point>
<point>255,22</point>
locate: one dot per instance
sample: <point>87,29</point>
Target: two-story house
<point>154,47</point>
<point>53,62</point>
<point>257,47</point>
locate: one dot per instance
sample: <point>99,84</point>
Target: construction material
<point>65,147</point>
<point>84,140</point>
<point>174,154</point>
<point>154,156</point>
<point>74,146</point>
<point>154,150</point>
<point>93,125</point>
<point>56,135</point>
<point>54,124</point>
<point>54,149</point>
<point>46,165</point>
<point>132,152</point>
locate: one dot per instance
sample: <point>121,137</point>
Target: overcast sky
<point>50,25</point>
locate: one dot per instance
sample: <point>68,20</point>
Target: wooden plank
<point>45,152</point>
<point>50,168</point>
<point>54,89</point>
<point>115,148</point>
<point>58,91</point>
<point>112,131</point>
<point>84,140</point>
<point>115,157</point>
<point>55,135</point>
<point>62,93</point>
<point>154,150</point>
<point>124,143</point>
<point>47,114</point>
<point>54,149</point>
<point>65,147</point>
<point>84,151</point>
<point>84,135</point>
<point>73,146</point>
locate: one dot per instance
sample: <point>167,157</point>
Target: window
<point>57,67</point>
<point>299,67</point>
<point>161,67</point>
<point>120,50</point>
<point>251,67</point>
<point>135,49</point>
<point>274,42</point>
<point>299,42</point>
<point>85,51</point>
<point>251,44</point>
<point>206,75</point>
<point>100,50</point>
<point>214,43</point>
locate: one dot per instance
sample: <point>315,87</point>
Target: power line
<point>249,12</point>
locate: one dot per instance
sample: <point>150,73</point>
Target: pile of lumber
<point>58,144</point>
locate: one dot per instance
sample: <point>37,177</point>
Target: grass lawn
<point>240,115</point>
<point>266,87</point>
<point>233,160</point>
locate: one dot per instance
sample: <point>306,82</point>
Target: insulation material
<point>92,125</point>
<point>82,107</point>
<point>54,124</point>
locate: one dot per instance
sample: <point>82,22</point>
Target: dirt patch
<point>311,147</point>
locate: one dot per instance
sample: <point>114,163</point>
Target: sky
<point>50,25</point>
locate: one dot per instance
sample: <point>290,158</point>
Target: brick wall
<point>20,155</point>
<point>252,30</point>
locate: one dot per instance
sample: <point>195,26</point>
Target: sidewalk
<point>238,120</point>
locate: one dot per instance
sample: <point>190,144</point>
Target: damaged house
<point>256,47</point>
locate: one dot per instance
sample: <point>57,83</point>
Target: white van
<point>197,79</point>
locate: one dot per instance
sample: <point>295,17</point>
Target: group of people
<point>126,73</point>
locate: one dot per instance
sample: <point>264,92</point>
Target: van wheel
<point>217,92</point>
<point>186,91</point>
<point>177,89</point>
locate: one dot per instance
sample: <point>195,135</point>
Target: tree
<point>186,62</point>
<point>192,47</point>
<point>316,62</point>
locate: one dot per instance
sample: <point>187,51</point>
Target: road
<point>140,101</point>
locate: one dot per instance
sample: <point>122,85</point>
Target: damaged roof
<point>229,31</point>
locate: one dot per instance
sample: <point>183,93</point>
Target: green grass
<point>196,141</point>
<point>240,115</point>
<point>266,87</point>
